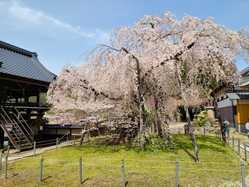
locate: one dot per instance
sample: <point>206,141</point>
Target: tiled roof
<point>20,62</point>
<point>244,71</point>
<point>233,96</point>
<point>244,95</point>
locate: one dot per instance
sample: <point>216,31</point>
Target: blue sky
<point>63,32</point>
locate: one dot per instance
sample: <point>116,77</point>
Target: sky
<point>64,32</point>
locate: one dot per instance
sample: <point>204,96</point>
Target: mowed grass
<point>218,166</point>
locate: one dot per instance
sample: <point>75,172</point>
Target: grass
<point>218,165</point>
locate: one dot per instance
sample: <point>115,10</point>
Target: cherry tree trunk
<point>140,103</point>
<point>192,135</point>
<point>157,122</point>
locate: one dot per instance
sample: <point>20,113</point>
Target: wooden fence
<point>242,149</point>
<point>178,166</point>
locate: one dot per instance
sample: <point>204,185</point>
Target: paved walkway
<point>175,127</point>
<point>19,155</point>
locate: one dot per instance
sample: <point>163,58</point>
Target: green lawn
<point>219,165</point>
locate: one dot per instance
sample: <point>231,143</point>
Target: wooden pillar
<point>1,138</point>
<point>4,95</point>
<point>25,95</point>
<point>38,98</point>
<point>28,114</point>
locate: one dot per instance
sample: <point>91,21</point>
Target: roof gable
<point>16,49</point>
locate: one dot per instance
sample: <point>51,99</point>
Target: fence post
<point>81,171</point>
<point>204,131</point>
<point>57,142</point>
<point>67,137</point>
<point>123,180</point>
<point>41,170</point>
<point>242,174</point>
<point>6,167</point>
<point>34,148</point>
<point>239,146</point>
<point>6,162</point>
<point>177,173</point>
<point>245,151</point>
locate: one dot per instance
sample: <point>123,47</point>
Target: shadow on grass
<point>190,154</point>
<point>179,142</point>
<point>204,142</point>
<point>86,179</point>
<point>46,178</point>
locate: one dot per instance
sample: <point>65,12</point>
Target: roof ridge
<point>16,49</point>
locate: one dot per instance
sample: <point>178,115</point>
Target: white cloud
<point>29,17</point>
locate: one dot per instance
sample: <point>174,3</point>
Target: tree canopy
<point>200,50</point>
<point>149,69</point>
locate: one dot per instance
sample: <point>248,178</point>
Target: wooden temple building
<point>232,102</point>
<point>24,82</point>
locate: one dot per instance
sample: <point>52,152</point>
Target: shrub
<point>201,119</point>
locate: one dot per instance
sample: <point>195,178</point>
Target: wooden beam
<point>23,80</point>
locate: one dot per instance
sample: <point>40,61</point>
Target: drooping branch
<point>174,57</point>
<point>85,85</point>
<point>140,95</point>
